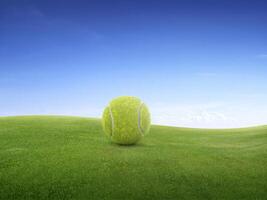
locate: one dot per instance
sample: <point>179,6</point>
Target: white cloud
<point>211,115</point>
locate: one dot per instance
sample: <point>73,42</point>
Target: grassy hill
<point>44,157</point>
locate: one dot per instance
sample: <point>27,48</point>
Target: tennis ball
<point>126,120</point>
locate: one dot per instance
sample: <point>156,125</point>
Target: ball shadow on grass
<point>137,145</point>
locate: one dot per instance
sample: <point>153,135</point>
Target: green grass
<point>44,157</point>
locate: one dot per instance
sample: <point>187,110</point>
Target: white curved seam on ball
<point>112,120</point>
<point>139,119</point>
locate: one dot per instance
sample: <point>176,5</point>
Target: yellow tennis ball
<point>126,120</point>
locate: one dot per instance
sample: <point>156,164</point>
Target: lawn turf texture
<point>58,157</point>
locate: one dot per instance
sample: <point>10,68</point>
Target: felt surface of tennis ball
<point>126,120</point>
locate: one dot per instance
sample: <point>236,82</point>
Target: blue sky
<point>196,63</point>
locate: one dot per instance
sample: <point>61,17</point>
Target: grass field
<point>44,157</point>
